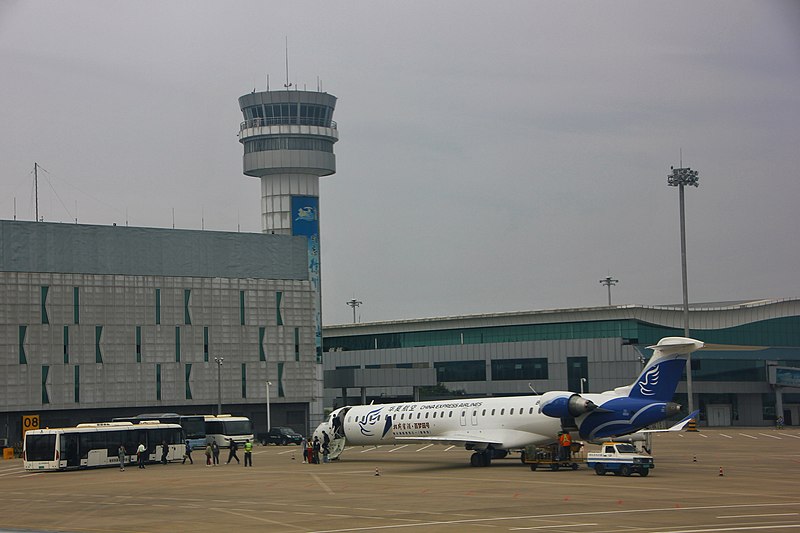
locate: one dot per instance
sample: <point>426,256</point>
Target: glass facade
<point>289,113</point>
<point>288,143</point>
<point>510,369</point>
<point>460,371</point>
<point>773,332</point>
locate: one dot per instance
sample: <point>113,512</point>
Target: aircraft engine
<point>672,409</point>
<point>565,404</point>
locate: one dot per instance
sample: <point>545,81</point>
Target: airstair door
<point>474,418</point>
<point>463,417</point>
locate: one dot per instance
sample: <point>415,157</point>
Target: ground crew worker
<point>248,453</point>
<point>566,443</point>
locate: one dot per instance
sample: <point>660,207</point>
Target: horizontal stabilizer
<point>677,427</point>
<point>675,345</point>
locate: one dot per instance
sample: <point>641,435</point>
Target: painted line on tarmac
<point>425,447</point>
<point>369,449</point>
<point>251,517</point>
<point>739,528</point>
<point>748,436</point>
<point>398,448</point>
<point>322,484</point>
<point>790,435</point>
<point>449,448</point>
<point>583,513</point>
<point>13,473</point>
<point>549,527</point>
<point>757,515</point>
<point>726,436</point>
<point>770,436</point>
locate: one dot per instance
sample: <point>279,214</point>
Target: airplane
<point>491,427</point>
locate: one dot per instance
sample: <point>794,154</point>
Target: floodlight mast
<point>681,177</point>
<point>354,303</point>
<point>608,281</point>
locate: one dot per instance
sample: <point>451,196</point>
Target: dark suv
<point>280,435</point>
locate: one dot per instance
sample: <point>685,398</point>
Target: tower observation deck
<point>288,139</point>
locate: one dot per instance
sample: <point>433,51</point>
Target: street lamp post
<point>681,177</point>
<point>583,380</point>
<point>219,361</point>
<point>269,426</point>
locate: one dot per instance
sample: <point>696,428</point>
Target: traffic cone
<point>376,471</point>
<point>694,459</point>
<point>720,471</point>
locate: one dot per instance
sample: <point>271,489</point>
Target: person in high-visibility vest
<point>566,443</point>
<point>248,453</point>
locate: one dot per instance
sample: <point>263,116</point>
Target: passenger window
<point>483,413</point>
<point>418,415</point>
<point>492,412</point>
<point>451,414</point>
<point>434,414</point>
<point>530,411</point>
<point>426,414</point>
<point>502,411</point>
<point>512,411</point>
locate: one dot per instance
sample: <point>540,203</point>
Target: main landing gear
<point>481,458</point>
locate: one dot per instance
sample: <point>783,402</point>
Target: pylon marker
<point>377,473</point>
<point>720,471</point>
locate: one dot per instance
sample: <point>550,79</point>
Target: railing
<point>275,121</point>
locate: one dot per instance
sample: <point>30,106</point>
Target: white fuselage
<point>506,423</point>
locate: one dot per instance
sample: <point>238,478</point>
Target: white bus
<point>92,445</point>
<point>223,428</point>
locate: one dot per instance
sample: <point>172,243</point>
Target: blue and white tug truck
<point>621,458</point>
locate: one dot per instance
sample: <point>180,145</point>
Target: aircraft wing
<point>504,439</point>
<point>455,439</point>
<point>677,427</point>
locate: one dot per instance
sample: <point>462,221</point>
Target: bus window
<point>40,447</point>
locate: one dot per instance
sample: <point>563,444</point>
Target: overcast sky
<point>493,156</point>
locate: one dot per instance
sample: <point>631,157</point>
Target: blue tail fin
<point>661,375</point>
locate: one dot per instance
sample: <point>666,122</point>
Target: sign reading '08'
<point>29,422</point>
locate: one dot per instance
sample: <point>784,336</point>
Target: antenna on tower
<point>287,84</point>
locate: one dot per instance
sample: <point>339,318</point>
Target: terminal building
<point>104,321</point>
<point>747,376</point>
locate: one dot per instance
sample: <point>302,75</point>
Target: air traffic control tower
<point>288,139</point>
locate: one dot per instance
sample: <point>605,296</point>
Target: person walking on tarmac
<point>187,454</point>
<point>248,453</point>
<point>209,453</point>
<point>317,446</point>
<point>310,451</point>
<point>232,454</point>
<point>164,452</point>
<point>121,452</point>
<point>215,451</point>
<point>566,444</point>
<point>140,454</point>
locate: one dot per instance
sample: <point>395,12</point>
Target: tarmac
<point>714,480</point>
